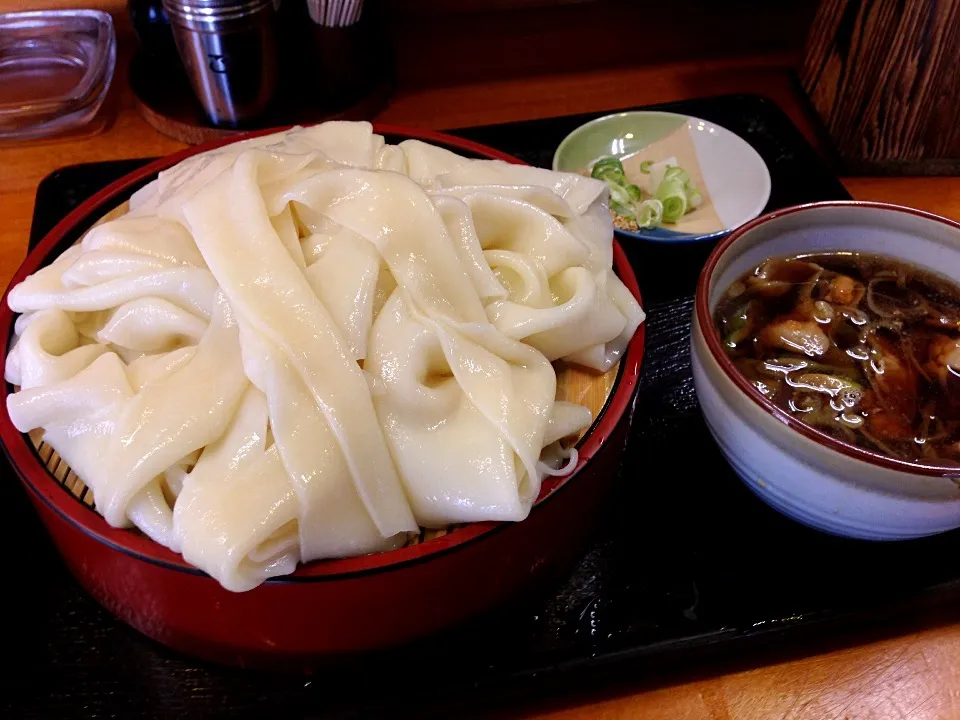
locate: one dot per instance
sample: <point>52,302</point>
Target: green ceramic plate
<point>730,174</point>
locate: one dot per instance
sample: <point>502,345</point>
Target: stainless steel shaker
<point>229,52</point>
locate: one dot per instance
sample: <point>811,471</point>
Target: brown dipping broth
<point>862,347</point>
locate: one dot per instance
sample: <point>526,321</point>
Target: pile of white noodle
<point>305,345</point>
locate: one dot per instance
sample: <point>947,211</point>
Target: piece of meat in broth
<point>804,336</point>
<point>844,290</point>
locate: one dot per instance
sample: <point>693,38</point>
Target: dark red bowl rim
<point>36,478</point>
<point>705,320</point>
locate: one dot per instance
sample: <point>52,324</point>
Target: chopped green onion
<point>678,173</point>
<point>606,168</point>
<point>740,324</point>
<point>650,213</point>
<point>674,190</point>
<point>674,199</point>
<point>670,187</point>
<point>669,192</point>
<point>624,195</point>
<point>674,207</point>
<point>658,172</point>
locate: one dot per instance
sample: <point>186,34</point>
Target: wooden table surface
<point>911,674</point>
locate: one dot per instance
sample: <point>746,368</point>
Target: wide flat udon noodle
<point>451,405</point>
<point>239,493</point>
<point>96,415</point>
<point>274,299</point>
<point>406,230</point>
<point>250,284</point>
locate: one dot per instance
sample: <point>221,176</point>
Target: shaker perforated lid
<point>213,11</point>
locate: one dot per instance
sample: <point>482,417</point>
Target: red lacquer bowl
<point>327,607</point>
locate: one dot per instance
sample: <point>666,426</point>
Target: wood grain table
<point>909,673</point>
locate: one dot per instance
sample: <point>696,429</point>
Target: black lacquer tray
<point>686,565</point>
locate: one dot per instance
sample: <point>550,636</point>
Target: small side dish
<point>666,195</point>
<point>673,178</point>
<point>863,347</point>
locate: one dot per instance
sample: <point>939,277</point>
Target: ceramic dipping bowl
<point>804,473</point>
